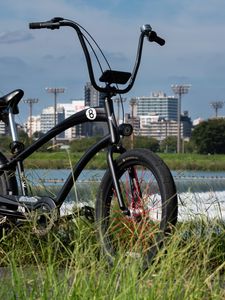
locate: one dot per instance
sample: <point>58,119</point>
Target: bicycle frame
<point>97,115</point>
<point>107,115</point>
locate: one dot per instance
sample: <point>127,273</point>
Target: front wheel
<point>149,194</point>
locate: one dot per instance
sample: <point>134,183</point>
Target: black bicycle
<point>136,203</point>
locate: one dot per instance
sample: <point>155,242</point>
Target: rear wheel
<point>149,193</point>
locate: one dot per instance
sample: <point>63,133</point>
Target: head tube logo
<point>91,113</point>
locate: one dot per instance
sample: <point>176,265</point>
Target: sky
<point>194,52</point>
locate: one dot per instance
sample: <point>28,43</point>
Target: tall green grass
<point>67,264</point>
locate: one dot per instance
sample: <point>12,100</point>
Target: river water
<point>199,193</point>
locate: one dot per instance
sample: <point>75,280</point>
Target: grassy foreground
<point>185,161</point>
<point>66,265</point>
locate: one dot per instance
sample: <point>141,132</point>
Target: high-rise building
<point>156,116</point>
<point>64,111</point>
<point>158,103</point>
<point>93,98</point>
<point>48,118</point>
<point>158,127</point>
<point>69,110</point>
<point>3,128</point>
<point>33,125</point>
<point>186,124</point>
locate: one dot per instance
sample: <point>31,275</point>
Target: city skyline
<point>65,101</point>
<point>154,116</point>
<point>194,52</point>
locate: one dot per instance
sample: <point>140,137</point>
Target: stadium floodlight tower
<point>55,91</point>
<point>133,103</point>
<point>179,90</point>
<point>216,105</point>
<point>119,102</point>
<point>30,102</point>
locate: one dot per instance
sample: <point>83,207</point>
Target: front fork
<point>133,181</point>
<point>115,133</point>
<point>111,164</point>
<point>113,148</point>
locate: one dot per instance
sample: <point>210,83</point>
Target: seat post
<point>12,126</point>
<point>15,139</point>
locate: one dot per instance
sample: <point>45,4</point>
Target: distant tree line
<point>207,138</point>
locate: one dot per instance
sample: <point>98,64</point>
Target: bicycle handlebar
<point>146,31</point>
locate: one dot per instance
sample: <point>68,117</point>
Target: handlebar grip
<point>48,25</point>
<point>35,25</point>
<point>153,37</point>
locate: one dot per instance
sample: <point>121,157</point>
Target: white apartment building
<point>156,116</point>
<point>33,125</point>
<point>69,110</point>
<point>3,129</point>
<point>158,127</point>
<point>158,103</point>
<point>46,120</point>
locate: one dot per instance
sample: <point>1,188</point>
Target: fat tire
<point>162,175</point>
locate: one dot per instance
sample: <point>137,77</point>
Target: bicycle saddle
<point>11,100</point>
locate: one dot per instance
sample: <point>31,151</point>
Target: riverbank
<point>193,161</point>
<point>64,160</point>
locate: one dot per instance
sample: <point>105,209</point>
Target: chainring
<point>43,216</point>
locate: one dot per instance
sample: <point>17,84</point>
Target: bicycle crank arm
<point>41,211</point>
<point>11,214</point>
<point>28,202</point>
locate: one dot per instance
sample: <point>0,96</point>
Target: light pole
<point>216,105</point>
<point>119,101</point>
<point>30,102</point>
<point>55,91</point>
<point>133,103</point>
<point>179,90</point>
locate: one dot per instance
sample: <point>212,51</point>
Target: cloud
<point>7,61</point>
<point>11,37</point>
<point>194,50</point>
